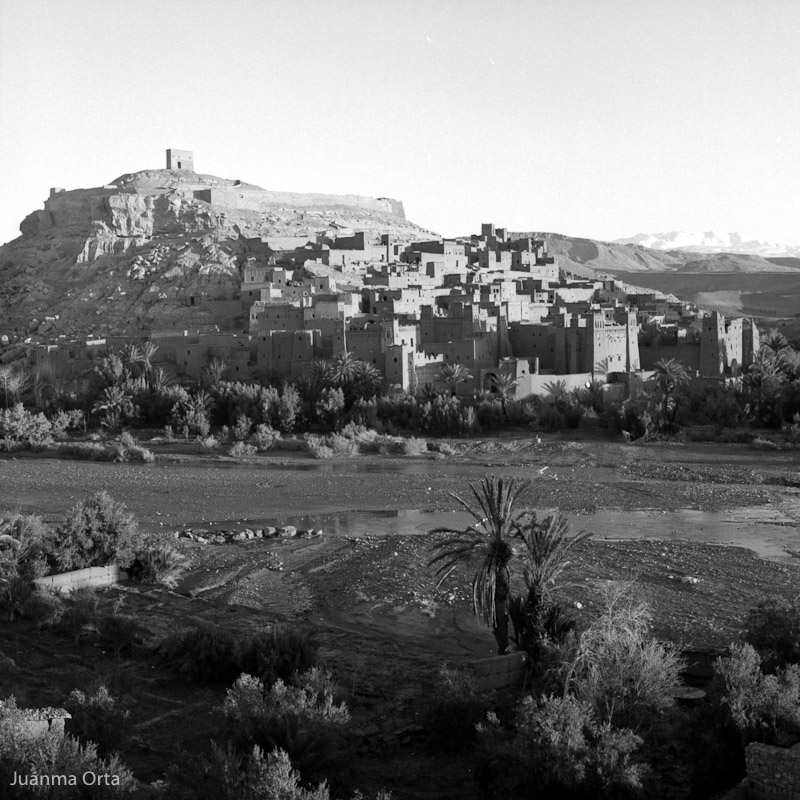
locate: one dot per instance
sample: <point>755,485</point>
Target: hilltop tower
<point>180,159</point>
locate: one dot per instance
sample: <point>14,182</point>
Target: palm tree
<point>147,353</point>
<point>215,371</point>
<point>115,406</point>
<point>504,386</point>
<point>365,382</point>
<point>490,538</point>
<point>159,379</point>
<point>342,368</point>
<point>670,374</point>
<point>429,393</point>
<point>775,340</point>
<point>132,357</point>
<point>453,374</point>
<point>546,545</point>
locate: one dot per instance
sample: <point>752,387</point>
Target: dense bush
<point>118,633</point>
<point>80,608</point>
<point>625,675</point>
<point>264,438</point>
<point>24,542</point>
<point>96,532</point>
<point>278,653</point>
<point>242,450</point>
<point>763,708</point>
<point>21,429</point>
<point>160,563</point>
<point>773,628</point>
<point>455,708</point>
<point>230,775</point>
<point>557,750</point>
<point>302,719</point>
<point>204,653</point>
<point>98,718</point>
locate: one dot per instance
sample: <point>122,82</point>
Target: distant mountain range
<point>711,242</point>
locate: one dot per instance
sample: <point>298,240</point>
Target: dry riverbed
<point>364,585</point>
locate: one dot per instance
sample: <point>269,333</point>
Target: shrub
<point>204,653</point>
<point>277,654</point>
<point>265,438</point>
<point>227,774</point>
<point>126,439</point>
<point>160,563</point>
<point>301,719</point>
<point>79,610</point>
<point>317,448</point>
<point>42,606</point>
<point>550,418</point>
<point>96,532</point>
<point>207,443</point>
<point>764,708</point>
<point>21,427</point>
<point>572,414</point>
<point>619,669</point>
<point>557,750</point>
<point>329,407</point>
<point>454,710</point>
<point>773,628</point>
<point>98,718</point>
<point>118,633</point>
<point>140,454</point>
<point>241,431</point>
<point>23,546</point>
<point>412,446</point>
<point>242,450</point>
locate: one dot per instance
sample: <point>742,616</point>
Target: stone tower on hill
<point>180,159</point>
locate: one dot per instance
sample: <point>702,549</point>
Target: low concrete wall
<point>499,671</point>
<point>92,577</point>
<point>773,772</point>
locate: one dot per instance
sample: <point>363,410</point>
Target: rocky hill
<point>130,256</point>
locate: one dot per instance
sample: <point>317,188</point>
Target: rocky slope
<point>588,257</point>
<point>127,257</point>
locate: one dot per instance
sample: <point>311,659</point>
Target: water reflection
<point>762,529</point>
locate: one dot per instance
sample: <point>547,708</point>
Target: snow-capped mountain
<point>711,242</point>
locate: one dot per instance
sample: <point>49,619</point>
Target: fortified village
<point>215,281</point>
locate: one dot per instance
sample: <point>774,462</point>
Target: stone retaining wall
<point>499,671</point>
<point>773,772</point>
<point>92,577</point>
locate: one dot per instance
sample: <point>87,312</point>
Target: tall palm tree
<point>546,545</point>
<point>670,374</point>
<point>491,539</point>
<point>453,374</point>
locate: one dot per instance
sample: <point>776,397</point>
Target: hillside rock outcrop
<point>159,249</point>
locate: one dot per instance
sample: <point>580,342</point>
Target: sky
<point>595,118</point>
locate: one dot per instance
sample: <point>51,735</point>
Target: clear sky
<point>598,118</point>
